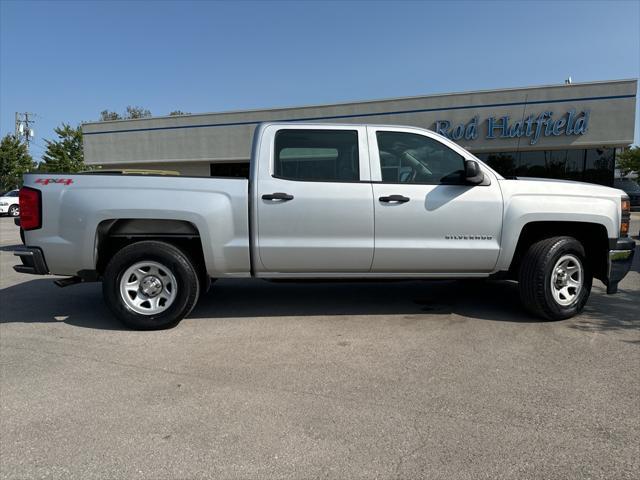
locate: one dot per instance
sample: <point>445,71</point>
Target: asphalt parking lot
<point>332,380</point>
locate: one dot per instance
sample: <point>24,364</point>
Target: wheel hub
<point>561,278</point>
<point>151,286</point>
<point>567,279</point>
<point>148,287</point>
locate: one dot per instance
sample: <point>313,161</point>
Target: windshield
<point>628,185</point>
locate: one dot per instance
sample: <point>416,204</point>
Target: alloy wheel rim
<point>566,280</point>
<point>148,288</point>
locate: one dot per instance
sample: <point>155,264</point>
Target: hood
<point>555,186</point>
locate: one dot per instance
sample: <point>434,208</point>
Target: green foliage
<point>107,115</point>
<point>134,112</point>
<point>14,162</point>
<point>131,112</point>
<point>629,161</point>
<point>64,154</point>
<point>137,112</point>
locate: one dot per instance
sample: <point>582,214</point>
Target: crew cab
<point>325,201</point>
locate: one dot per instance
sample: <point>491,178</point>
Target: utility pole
<point>23,127</point>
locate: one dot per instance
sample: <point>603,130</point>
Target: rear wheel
<point>555,280</point>
<point>14,211</point>
<point>150,285</point>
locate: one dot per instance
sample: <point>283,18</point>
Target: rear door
<point>314,200</point>
<point>427,220</point>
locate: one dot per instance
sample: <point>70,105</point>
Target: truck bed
<point>77,208</point>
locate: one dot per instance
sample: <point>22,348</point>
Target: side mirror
<point>472,172</point>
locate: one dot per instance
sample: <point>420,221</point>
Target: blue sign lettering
<point>533,127</point>
<point>442,127</point>
<point>503,125</point>
<point>471,132</point>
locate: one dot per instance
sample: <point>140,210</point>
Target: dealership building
<point>569,131</point>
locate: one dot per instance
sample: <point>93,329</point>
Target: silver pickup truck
<point>325,201</point>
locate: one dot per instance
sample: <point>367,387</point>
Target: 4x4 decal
<point>47,181</point>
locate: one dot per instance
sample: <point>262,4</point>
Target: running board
<point>65,282</point>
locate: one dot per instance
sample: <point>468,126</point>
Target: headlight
<point>3,204</point>
<point>626,216</point>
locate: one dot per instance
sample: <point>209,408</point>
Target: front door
<point>427,220</point>
<point>314,202</point>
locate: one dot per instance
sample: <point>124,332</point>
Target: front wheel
<point>150,285</point>
<point>555,280</point>
<point>14,211</point>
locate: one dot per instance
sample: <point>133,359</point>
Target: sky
<point>68,61</point>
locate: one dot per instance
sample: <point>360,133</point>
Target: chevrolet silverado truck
<point>325,201</point>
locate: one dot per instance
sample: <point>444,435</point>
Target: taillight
<point>30,201</point>
<point>626,216</point>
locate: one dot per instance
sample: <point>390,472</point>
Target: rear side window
<point>317,155</point>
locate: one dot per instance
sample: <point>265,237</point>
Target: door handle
<point>285,197</point>
<point>394,198</point>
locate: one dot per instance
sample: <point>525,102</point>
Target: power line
<point>58,121</point>
<point>38,145</point>
<point>41,147</point>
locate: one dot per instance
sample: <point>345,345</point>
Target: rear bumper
<point>620,258</point>
<point>32,261</point>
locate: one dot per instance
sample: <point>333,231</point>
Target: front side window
<point>412,158</point>
<point>317,155</point>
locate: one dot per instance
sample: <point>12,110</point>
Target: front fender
<point>521,210</point>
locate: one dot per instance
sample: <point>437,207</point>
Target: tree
<point>107,115</point>
<point>177,113</point>
<point>130,112</point>
<point>629,161</point>
<point>137,112</point>
<point>14,162</point>
<point>64,154</point>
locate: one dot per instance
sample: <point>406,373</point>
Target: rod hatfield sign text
<point>532,127</point>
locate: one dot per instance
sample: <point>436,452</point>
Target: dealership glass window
<point>599,166</point>
<point>592,165</point>
<point>575,165</point>
<point>556,164</point>
<point>503,162</point>
<point>317,155</point>
<point>543,163</point>
<point>412,158</point>
<point>533,164</point>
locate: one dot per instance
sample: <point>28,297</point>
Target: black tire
<point>187,280</point>
<point>536,271</point>
<point>14,211</point>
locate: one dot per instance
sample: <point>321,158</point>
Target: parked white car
<point>9,204</point>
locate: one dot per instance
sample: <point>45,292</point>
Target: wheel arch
<point>114,234</point>
<point>593,236</point>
